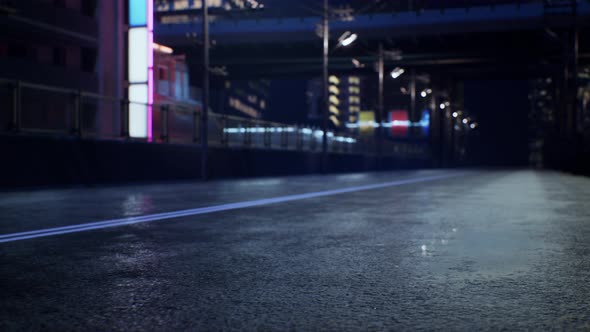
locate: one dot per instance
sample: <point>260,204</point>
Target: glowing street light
<point>465,121</point>
<point>442,106</point>
<point>455,114</point>
<point>397,72</point>
<point>347,38</point>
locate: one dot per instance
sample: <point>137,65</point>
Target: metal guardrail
<point>39,109</point>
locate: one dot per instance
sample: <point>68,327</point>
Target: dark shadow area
<point>502,108</point>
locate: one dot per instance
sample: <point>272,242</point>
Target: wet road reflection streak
<point>203,210</point>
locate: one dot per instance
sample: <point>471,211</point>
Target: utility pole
<point>326,100</point>
<point>379,115</point>
<point>413,116</point>
<point>205,94</point>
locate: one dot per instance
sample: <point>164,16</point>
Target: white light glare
<point>397,72</point>
<point>163,49</point>
<point>442,106</point>
<point>465,121</point>
<point>425,92</point>
<point>455,114</point>
<point>349,40</point>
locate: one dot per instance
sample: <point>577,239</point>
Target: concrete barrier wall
<point>44,161</point>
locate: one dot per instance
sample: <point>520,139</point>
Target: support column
<point>434,124</point>
<point>572,82</point>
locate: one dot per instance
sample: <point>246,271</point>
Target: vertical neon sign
<point>141,67</point>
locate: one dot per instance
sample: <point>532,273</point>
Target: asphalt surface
<point>475,250</point>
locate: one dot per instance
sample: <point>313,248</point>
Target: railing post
<point>284,137</point>
<point>224,133</point>
<point>164,111</point>
<point>125,118</point>
<point>249,132</point>
<point>77,128</point>
<point>298,138</point>
<point>266,137</point>
<point>16,107</point>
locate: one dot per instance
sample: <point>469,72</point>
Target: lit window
<point>334,100</point>
<point>354,80</point>
<point>354,90</point>
<point>334,80</point>
<point>334,110</point>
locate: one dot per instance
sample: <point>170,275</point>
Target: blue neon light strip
<point>137,13</point>
<point>204,210</point>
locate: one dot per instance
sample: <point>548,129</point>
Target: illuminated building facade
<point>345,100</point>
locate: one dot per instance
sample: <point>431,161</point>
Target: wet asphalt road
<point>480,250</point>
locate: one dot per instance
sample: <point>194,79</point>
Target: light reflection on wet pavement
<point>490,249</point>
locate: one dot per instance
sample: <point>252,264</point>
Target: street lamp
<point>347,38</point>
<point>397,72</point>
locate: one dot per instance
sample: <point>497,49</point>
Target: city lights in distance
<point>304,131</point>
<point>465,121</point>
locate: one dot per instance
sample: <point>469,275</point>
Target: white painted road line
<point>204,210</point>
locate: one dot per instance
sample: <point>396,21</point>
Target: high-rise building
<point>72,44</point>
